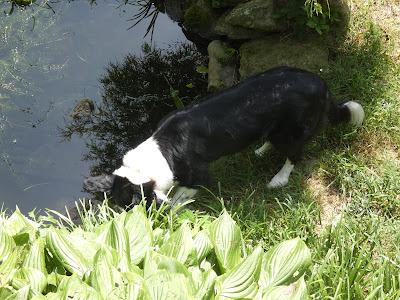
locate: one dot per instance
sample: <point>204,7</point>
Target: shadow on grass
<point>360,70</point>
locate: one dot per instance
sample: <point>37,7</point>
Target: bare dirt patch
<point>329,200</point>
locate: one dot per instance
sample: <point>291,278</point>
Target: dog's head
<point>120,189</point>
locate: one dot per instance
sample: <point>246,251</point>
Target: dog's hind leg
<point>282,177</point>
<point>263,149</point>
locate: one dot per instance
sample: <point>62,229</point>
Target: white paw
<point>277,181</point>
<point>259,152</point>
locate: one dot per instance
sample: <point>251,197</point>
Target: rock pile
<point>246,37</point>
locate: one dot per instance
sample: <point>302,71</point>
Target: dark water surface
<point>44,72</point>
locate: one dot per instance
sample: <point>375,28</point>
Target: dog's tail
<point>102,183</point>
<point>346,112</point>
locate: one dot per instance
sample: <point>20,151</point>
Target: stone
<point>84,108</point>
<point>200,18</point>
<point>340,11</point>
<point>222,72</point>
<point>256,15</point>
<point>223,28</point>
<point>226,3</point>
<point>260,55</point>
<point>175,9</point>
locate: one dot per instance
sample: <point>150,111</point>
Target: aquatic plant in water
<point>26,40</point>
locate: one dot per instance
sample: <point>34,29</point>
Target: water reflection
<point>44,71</point>
<point>136,94</point>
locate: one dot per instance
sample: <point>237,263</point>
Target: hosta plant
<point>141,255</point>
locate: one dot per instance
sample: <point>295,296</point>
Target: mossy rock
<point>175,9</point>
<point>263,54</point>
<point>224,28</point>
<point>200,18</point>
<point>226,3</point>
<point>222,71</point>
<point>256,15</point>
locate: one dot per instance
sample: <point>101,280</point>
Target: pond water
<point>46,66</point>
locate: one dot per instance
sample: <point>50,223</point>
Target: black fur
<point>285,106</point>
<point>120,189</point>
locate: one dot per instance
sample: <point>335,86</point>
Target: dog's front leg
<point>282,177</point>
<point>182,195</point>
<point>263,149</point>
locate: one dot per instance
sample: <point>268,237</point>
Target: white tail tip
<point>356,113</point>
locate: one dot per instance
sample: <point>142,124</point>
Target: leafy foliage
<point>314,14</point>
<point>127,257</point>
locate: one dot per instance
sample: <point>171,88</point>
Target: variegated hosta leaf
<point>241,281</point>
<point>18,223</point>
<point>21,294</point>
<point>35,257</point>
<point>72,287</point>
<point>154,262</point>
<point>285,263</point>
<point>204,282</point>
<point>66,253</point>
<point>8,265</point>
<point>227,240</point>
<point>5,292</point>
<point>140,233</point>
<point>165,285</point>
<point>85,240</point>
<point>202,244</point>
<point>136,291</point>
<point>133,287</point>
<point>116,237</point>
<point>104,277</point>
<point>49,296</point>
<point>7,244</point>
<point>180,244</point>
<point>30,276</point>
<point>294,291</point>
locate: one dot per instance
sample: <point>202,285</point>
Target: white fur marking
<point>263,149</point>
<point>145,163</point>
<point>161,195</point>
<point>282,177</point>
<point>182,194</point>
<point>356,112</point>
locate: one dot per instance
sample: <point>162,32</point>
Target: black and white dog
<point>284,106</point>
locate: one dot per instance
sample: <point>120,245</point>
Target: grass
<point>349,177</point>
<point>343,200</point>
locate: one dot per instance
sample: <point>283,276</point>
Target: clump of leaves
<point>314,14</point>
<point>127,256</point>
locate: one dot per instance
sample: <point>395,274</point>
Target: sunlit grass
<point>348,177</point>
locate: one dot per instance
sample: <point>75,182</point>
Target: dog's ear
<point>102,183</point>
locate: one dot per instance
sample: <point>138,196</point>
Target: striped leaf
<point>139,232</point>
<point>30,276</point>
<point>294,291</point>
<point>241,281</point>
<point>64,251</point>
<point>35,257</point>
<point>104,277</point>
<point>285,263</point>
<point>7,244</point>
<point>180,244</point>
<point>202,244</point>
<point>227,240</point>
